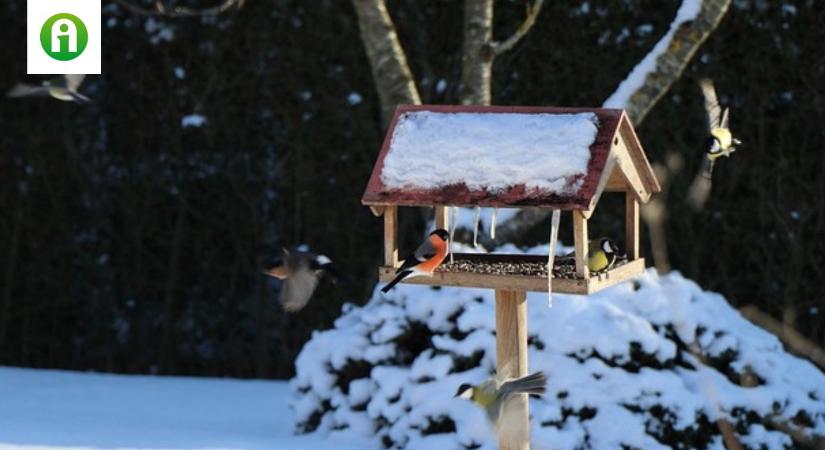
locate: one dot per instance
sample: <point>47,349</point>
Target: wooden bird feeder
<point>616,163</point>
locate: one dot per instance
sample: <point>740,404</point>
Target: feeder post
<point>511,362</point>
<point>442,217</point>
<point>580,240</point>
<point>391,236</point>
<point>631,209</point>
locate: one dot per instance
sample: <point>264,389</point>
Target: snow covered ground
<point>50,410</point>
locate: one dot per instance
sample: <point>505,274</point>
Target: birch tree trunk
<point>477,53</point>
<point>390,71</point>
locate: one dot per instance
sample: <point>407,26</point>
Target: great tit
<point>300,272</point>
<point>601,254</point>
<point>492,395</point>
<point>62,88</point>
<point>720,140</point>
<point>425,259</point>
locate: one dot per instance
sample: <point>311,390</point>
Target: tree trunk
<point>390,71</point>
<point>477,55</point>
<point>167,342</point>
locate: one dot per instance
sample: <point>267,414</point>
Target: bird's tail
<point>535,383</point>
<point>401,275</point>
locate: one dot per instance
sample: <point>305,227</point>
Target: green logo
<point>64,37</point>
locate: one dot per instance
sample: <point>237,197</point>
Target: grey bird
<point>719,142</point>
<point>63,88</point>
<point>493,395</point>
<point>300,272</point>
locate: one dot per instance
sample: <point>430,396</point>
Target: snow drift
<point>651,364</point>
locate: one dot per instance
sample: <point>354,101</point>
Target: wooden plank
<point>391,236</point>
<point>580,240</point>
<point>478,280</point>
<point>628,170</point>
<point>615,275</point>
<point>616,182</point>
<point>442,217</point>
<point>631,236</point>
<point>511,362</point>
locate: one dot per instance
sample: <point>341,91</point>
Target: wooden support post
<point>511,362</point>
<point>580,239</point>
<point>391,236</point>
<point>442,217</point>
<point>631,239</point>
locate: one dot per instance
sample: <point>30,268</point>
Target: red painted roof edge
<point>609,120</point>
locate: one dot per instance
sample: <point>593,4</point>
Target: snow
<point>491,151</point>
<point>354,98</point>
<point>628,367</point>
<point>52,410</point>
<point>193,121</point>
<point>687,12</point>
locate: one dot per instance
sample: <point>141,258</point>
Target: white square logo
<point>63,37</point>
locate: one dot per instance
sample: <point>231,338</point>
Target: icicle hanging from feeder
<point>453,215</point>
<point>493,224</point>
<point>475,228</point>
<point>551,254</point>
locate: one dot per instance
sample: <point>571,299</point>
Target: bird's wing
<point>425,251</point>
<point>25,90</point>
<point>298,288</point>
<point>712,108</point>
<point>723,123</point>
<point>73,82</point>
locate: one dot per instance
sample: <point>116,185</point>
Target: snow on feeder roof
<point>499,156</point>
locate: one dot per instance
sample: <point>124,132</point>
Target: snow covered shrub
<point>649,364</point>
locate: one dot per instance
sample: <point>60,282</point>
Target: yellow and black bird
<point>425,259</point>
<point>300,272</point>
<point>493,394</point>
<point>601,254</point>
<point>64,87</point>
<point>719,142</point>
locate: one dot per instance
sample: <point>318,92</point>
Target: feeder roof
<point>500,156</point>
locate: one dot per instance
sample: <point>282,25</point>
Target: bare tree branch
<point>390,71</point>
<point>529,20</point>
<point>160,9</point>
<point>681,48</point>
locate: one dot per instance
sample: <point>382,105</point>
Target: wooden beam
<point>530,283</point>
<point>442,217</point>
<point>391,236</point>
<point>631,232</point>
<point>580,240</point>
<point>511,362</point>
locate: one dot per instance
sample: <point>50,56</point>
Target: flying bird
<point>425,259</point>
<point>719,142</point>
<point>300,272</point>
<point>64,87</point>
<point>602,254</point>
<point>493,394</point>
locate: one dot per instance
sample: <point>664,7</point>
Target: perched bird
<point>300,272</point>
<point>62,88</point>
<point>601,254</point>
<point>493,394</point>
<point>720,142</point>
<point>425,259</point>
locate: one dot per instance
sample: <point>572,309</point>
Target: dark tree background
<point>129,243</point>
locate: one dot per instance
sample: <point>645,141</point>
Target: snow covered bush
<point>650,364</point>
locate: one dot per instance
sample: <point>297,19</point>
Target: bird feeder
<point>511,157</point>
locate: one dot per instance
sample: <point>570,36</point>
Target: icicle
<point>551,254</point>
<point>475,229</point>
<point>453,214</point>
<point>493,224</point>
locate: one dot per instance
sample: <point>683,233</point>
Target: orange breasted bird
<point>425,259</point>
<point>300,272</point>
